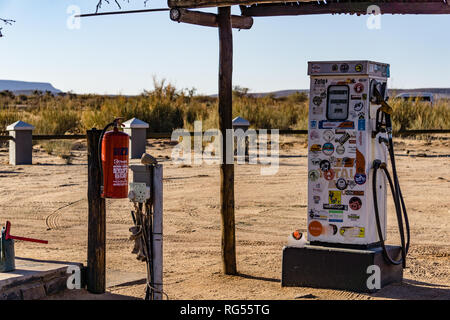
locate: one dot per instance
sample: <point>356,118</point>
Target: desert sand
<point>48,200</point>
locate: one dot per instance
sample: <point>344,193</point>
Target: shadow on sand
<point>414,290</point>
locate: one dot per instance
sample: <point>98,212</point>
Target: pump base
<point>338,268</point>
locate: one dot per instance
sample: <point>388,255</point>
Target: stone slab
<point>34,279</point>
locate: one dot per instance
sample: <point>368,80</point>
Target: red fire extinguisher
<point>114,149</point>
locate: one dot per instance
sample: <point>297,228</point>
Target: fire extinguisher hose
<point>100,152</point>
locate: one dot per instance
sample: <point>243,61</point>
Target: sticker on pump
<point>329,175</point>
<point>359,88</point>
<point>334,197</point>
<point>355,203</point>
<point>324,124</point>
<point>352,232</point>
<point>313,175</point>
<point>328,135</point>
<point>315,228</point>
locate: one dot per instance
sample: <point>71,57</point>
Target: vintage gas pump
<point>350,137</point>
<point>114,148</point>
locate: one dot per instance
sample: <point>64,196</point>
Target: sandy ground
<point>268,208</point>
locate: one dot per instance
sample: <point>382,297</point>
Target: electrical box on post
<point>341,150</point>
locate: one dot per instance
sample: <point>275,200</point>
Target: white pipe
<point>157,248</point>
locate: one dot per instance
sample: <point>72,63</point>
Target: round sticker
<point>329,175</point>
<point>328,149</point>
<point>313,175</point>
<point>317,101</point>
<point>315,148</point>
<point>334,67</point>
<point>344,67</point>
<point>328,135</point>
<point>333,160</point>
<point>315,161</point>
<point>360,178</point>
<point>315,228</point>
<point>297,235</point>
<point>314,135</point>
<point>340,149</point>
<point>359,106</point>
<point>355,203</point>
<point>359,87</point>
<point>359,68</point>
<point>341,184</point>
<point>325,165</point>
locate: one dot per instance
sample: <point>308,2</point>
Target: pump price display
<point>338,102</point>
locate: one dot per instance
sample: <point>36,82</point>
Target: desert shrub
<point>269,113</point>
<point>7,117</point>
<point>410,115</point>
<point>165,108</point>
<point>60,148</point>
<point>55,121</point>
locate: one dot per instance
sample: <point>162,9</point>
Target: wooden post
<point>96,264</point>
<point>225,122</point>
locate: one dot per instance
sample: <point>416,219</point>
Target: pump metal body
<point>342,148</point>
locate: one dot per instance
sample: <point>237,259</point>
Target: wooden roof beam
<point>207,19</point>
<point>218,3</point>
<point>360,8</point>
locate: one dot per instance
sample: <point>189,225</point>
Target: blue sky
<point>121,54</point>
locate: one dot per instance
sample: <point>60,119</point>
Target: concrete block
<point>56,285</point>
<point>13,294</point>
<point>33,291</point>
<point>337,268</point>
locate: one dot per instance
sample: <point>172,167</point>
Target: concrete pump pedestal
<point>339,268</point>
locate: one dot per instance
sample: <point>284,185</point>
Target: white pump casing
<point>341,151</point>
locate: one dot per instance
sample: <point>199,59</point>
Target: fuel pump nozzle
<point>385,111</point>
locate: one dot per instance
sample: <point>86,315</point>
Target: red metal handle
<point>28,239</point>
<point>8,236</point>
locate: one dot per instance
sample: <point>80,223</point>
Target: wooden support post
<point>225,122</point>
<point>96,264</point>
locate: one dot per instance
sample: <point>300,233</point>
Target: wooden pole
<point>225,122</point>
<point>96,264</point>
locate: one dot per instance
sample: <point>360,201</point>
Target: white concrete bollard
<point>21,146</point>
<point>137,130</point>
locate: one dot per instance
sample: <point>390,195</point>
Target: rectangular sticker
<point>336,124</point>
<point>327,206</point>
